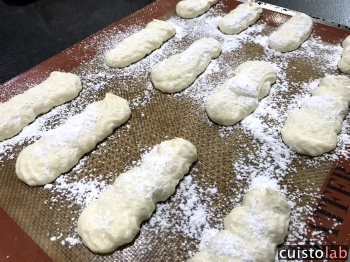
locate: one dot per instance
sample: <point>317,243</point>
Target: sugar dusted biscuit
<point>252,231</point>
<point>60,149</point>
<point>239,96</point>
<point>179,71</point>
<point>22,109</point>
<point>240,18</point>
<point>140,44</point>
<point>193,8</point>
<point>312,130</point>
<point>291,34</point>
<point>114,218</point>
<point>344,62</point>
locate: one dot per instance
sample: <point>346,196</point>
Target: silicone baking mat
<point>49,218</point>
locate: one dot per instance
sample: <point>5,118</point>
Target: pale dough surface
<point>344,62</point>
<point>179,71</point>
<point>240,18</point>
<point>193,8</point>
<point>61,148</point>
<point>22,109</point>
<point>312,130</point>
<point>239,96</point>
<point>292,33</point>
<point>114,218</point>
<point>140,44</point>
<point>252,231</point>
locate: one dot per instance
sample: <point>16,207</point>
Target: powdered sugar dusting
<point>70,131</point>
<point>191,216</point>
<point>38,128</point>
<point>264,162</point>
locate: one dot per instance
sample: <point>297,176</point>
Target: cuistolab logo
<point>313,252</point>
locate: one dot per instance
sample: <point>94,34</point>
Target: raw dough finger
<point>114,219</point>
<point>239,96</point>
<point>312,130</point>
<point>193,8</point>
<point>240,18</point>
<point>292,33</point>
<point>60,149</point>
<point>137,46</point>
<point>344,62</point>
<point>252,231</point>
<point>179,71</point>
<point>22,109</point>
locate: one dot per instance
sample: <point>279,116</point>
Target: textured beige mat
<point>156,117</point>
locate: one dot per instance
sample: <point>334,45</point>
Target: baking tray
<point>48,216</point>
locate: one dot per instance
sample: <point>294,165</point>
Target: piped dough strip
<point>312,130</point>
<point>240,18</point>
<point>114,218</point>
<point>137,46</point>
<point>193,8</point>
<point>239,96</point>
<point>344,62</point>
<point>252,231</point>
<point>291,34</point>
<point>22,109</point>
<point>60,149</point>
<point>179,71</point>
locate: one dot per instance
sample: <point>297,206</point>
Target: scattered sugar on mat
<point>269,161</point>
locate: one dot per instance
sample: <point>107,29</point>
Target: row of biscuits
<point>93,115</point>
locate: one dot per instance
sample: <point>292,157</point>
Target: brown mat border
<point>338,181</point>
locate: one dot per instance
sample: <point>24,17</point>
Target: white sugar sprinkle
<point>264,165</point>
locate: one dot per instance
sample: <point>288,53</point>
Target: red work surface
<point>13,241</point>
<point>334,201</point>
